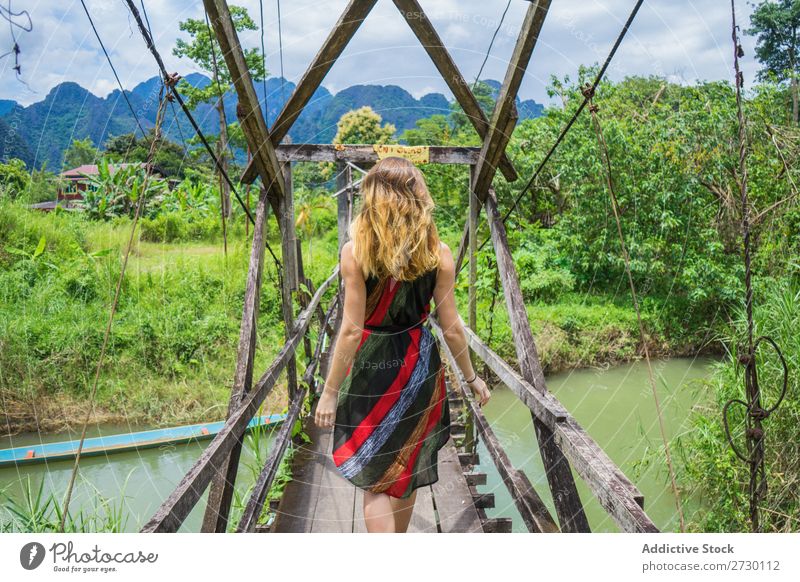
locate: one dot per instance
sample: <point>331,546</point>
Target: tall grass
<point>173,344</point>
<point>711,466</point>
<point>36,512</point>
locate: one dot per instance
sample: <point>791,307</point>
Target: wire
<point>264,61</point>
<point>115,302</point>
<point>588,93</point>
<point>220,92</point>
<point>280,51</point>
<point>491,43</point>
<point>171,103</point>
<point>149,42</point>
<point>8,14</point>
<point>114,70</point>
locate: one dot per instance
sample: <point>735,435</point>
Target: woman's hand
<point>479,390</point>
<point>326,409</point>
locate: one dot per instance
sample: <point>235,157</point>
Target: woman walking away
<point>385,393</point>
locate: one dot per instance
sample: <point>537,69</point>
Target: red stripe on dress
<point>374,417</point>
<point>403,481</point>
<point>383,305</point>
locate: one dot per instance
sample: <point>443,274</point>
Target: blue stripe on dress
<point>408,394</point>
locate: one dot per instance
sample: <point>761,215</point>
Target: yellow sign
<point>415,154</point>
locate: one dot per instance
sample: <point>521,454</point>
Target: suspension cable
<point>280,52</point>
<point>588,92</point>
<point>755,412</point>
<point>113,69</point>
<point>139,204</point>
<point>172,79</point>
<point>264,61</point>
<point>563,133</point>
<point>491,44</point>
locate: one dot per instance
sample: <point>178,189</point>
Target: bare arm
<point>447,314</point>
<point>352,326</point>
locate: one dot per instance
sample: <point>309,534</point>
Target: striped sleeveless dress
<point>392,415</point>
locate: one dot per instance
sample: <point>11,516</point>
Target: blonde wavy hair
<point>393,233</point>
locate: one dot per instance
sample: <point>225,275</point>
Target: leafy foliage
<point>82,151</point>
<point>14,178</point>
<point>363,125</point>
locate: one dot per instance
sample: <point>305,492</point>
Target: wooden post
<point>559,475</point>
<point>342,215</point>
<point>173,511</point>
<point>470,442</point>
<point>303,296</point>
<point>221,492</point>
<point>350,194</point>
<point>432,43</point>
<point>289,233</point>
<point>288,249</point>
<point>248,110</point>
<point>500,128</point>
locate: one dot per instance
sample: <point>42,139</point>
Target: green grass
<point>173,344</point>
<point>712,469</point>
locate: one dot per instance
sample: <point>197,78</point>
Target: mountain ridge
<point>40,133</point>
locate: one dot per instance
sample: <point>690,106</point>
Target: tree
<point>204,50</point>
<point>484,94</point>
<point>776,26</point>
<point>13,177</point>
<point>82,151</point>
<point>170,158</point>
<point>363,126</point>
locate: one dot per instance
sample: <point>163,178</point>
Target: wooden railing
<point>561,439</point>
<point>172,513</point>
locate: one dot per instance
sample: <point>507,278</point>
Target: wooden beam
<point>221,493</point>
<point>473,213</point>
<point>288,250</point>
<point>255,504</point>
<point>358,154</point>
<point>339,37</point>
<point>612,489</point>
<point>248,109</point>
<point>544,405</point>
<point>463,247</point>
<point>172,513</point>
<point>288,230</point>
<point>531,507</point>
<point>571,516</point>
<point>497,137</point>
<point>432,43</point>
<point>609,484</point>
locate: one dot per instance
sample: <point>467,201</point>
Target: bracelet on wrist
<point>475,377</point>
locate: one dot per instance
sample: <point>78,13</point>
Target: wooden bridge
<point>319,499</point>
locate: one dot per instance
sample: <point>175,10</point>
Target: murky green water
<point>140,480</point>
<point>615,406</point>
<point>617,409</point>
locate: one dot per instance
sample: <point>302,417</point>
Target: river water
<point>615,406</point>
<point>140,480</point>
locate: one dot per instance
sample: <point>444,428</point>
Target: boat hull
<point>106,445</point>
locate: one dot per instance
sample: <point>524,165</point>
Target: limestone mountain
<point>41,132</point>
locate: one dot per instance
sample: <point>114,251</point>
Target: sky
<point>682,40</point>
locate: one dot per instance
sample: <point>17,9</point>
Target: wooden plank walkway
<point>320,499</point>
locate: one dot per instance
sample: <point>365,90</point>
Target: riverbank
<point>172,348</point>
<point>173,345</point>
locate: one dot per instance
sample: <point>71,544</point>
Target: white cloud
<point>687,37</point>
